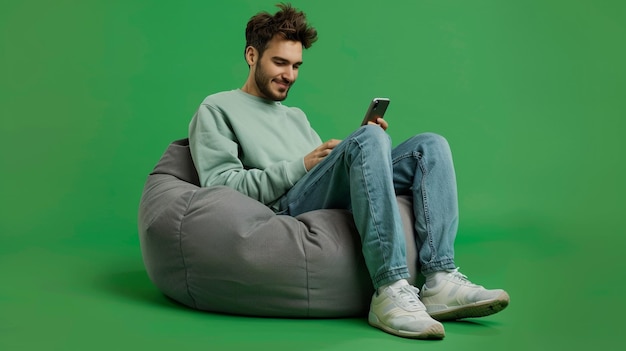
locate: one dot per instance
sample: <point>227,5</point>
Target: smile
<point>282,84</point>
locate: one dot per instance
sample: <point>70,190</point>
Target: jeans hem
<point>391,276</point>
<point>438,266</point>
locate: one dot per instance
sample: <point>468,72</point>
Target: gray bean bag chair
<point>215,249</point>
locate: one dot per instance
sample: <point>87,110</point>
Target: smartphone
<point>376,110</point>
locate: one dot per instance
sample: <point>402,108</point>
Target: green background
<point>530,94</point>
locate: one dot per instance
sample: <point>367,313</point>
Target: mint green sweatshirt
<point>250,144</point>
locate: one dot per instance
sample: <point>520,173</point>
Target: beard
<point>264,84</point>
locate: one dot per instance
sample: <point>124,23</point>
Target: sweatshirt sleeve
<point>215,152</point>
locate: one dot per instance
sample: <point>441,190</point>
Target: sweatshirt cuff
<point>295,170</point>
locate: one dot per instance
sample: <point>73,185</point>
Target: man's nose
<point>289,74</point>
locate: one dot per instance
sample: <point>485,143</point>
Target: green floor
<point>75,295</point>
<point>530,95</point>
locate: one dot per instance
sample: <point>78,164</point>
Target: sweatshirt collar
<point>257,98</point>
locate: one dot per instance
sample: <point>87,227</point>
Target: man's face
<point>276,71</point>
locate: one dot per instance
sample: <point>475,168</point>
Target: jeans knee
<point>376,136</point>
<point>433,140</point>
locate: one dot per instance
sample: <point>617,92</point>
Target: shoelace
<point>408,297</point>
<point>460,277</point>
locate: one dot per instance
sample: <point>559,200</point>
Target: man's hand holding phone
<point>381,122</point>
<point>376,112</point>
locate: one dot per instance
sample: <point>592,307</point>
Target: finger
<point>382,123</point>
<point>330,144</point>
<point>334,142</point>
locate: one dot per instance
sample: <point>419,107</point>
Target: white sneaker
<point>455,297</point>
<point>398,311</point>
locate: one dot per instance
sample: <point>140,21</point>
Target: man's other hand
<point>317,155</point>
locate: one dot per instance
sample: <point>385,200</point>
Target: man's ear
<point>252,55</point>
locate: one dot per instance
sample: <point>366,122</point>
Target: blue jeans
<point>363,174</point>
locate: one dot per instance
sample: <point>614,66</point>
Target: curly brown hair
<point>288,22</point>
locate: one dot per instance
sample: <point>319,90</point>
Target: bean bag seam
<point>180,244</point>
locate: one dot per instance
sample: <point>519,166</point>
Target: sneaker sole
<point>434,332</point>
<point>475,310</point>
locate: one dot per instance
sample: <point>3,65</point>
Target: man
<point>248,140</point>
